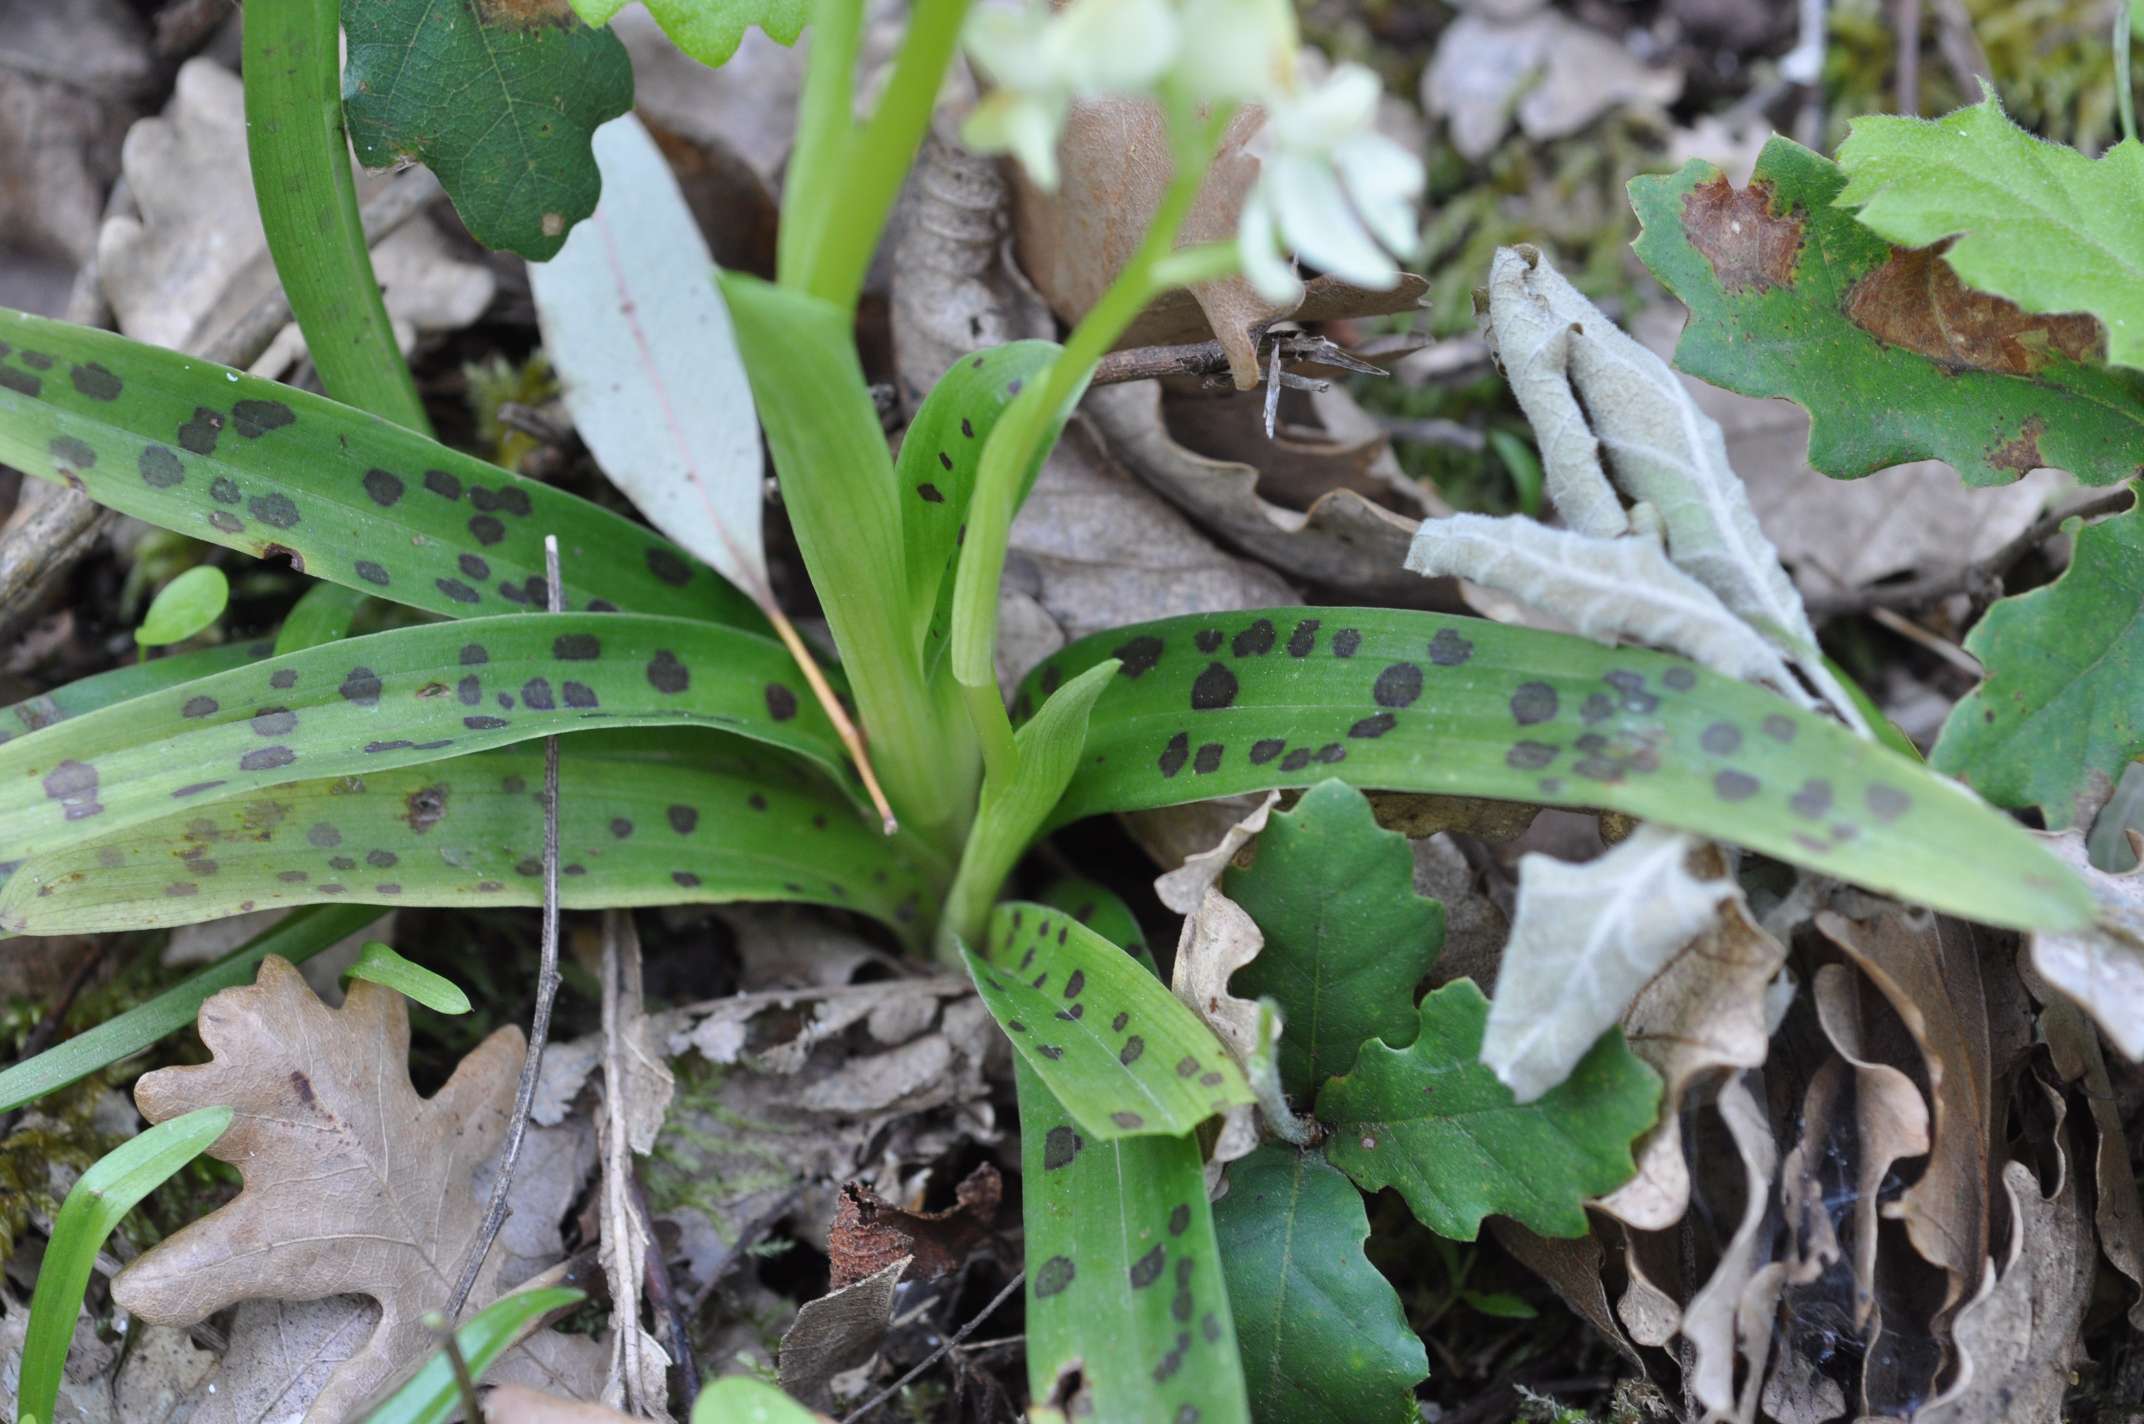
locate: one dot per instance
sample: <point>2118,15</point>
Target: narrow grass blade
<point>100,1199</point>
<point>431,1396</point>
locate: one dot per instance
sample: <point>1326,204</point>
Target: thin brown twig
<point>464,1382</point>
<point>1981,578</point>
<point>663,1296</point>
<point>546,990</point>
<point>1206,358</point>
<point>945,1347</point>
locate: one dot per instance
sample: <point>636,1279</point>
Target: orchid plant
<point>898,781</point>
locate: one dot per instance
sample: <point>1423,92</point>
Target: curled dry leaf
<point>1550,72</point>
<point>2100,969</point>
<point>196,255</point>
<point>1710,1323</point>
<point>836,1333</point>
<point>871,1233</point>
<point>1585,939</point>
<point>1705,1011</point>
<point>332,1143</point>
<point>2117,1209</point>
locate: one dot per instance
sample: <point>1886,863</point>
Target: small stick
<point>663,1296</point>
<point>546,990</point>
<point>464,1382</point>
<point>851,739</point>
<point>936,1355</point>
<point>1206,358</point>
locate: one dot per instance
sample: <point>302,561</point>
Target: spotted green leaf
<point>402,697</point>
<point>378,963</point>
<point>348,497</point>
<point>1102,910</point>
<point>1347,939</point>
<point>1113,1045</point>
<point>184,607</point>
<point>135,679</point>
<point>2062,709</point>
<point>935,474</point>
<point>680,817</point>
<point>1894,359</point>
<point>1430,1121</point>
<point>1322,1334</point>
<point>1212,705</point>
<point>710,30</point>
<point>499,100</point>
<point>1126,1304</point>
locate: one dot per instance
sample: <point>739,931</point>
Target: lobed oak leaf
<point>354,1185</point>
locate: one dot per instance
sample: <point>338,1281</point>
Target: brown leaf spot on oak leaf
<point>1916,301</point>
<point>1750,247</point>
<point>2021,455</point>
<point>870,1233</point>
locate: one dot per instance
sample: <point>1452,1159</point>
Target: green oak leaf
<point>2035,222</point>
<point>1893,357</point>
<point>500,98</point>
<point>710,30</point>
<point>1347,939</point>
<point>1430,1121</point>
<point>1322,1334</point>
<point>2063,705</point>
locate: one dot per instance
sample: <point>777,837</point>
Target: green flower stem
<point>823,123</point>
<point>308,205</point>
<point>1018,442</point>
<point>874,163</point>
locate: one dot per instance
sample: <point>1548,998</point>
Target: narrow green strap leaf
<point>99,1200</point>
<point>1102,910</point>
<point>711,821</point>
<point>935,474</point>
<point>1012,809</point>
<point>297,939</point>
<point>431,1396</point>
<point>2062,709</point>
<point>378,963</point>
<point>185,606</point>
<point>837,485</point>
<point>1790,295</point>
<point>1347,938</point>
<point>1113,1044</point>
<point>348,497</point>
<point>1213,705</point>
<point>406,696</point>
<point>1432,1122</point>
<point>1323,1334</point>
<point>308,207</point>
<point>1125,1295</point>
<point>323,614</point>
<point>499,101</point>
<point>136,679</point>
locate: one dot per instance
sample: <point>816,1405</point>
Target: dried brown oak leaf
<point>870,1233</point>
<point>354,1185</point>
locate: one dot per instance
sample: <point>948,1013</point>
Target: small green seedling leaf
<point>2062,709</point>
<point>297,939</point>
<point>710,30</point>
<point>2071,234</point>
<point>1894,359</point>
<point>1432,1122</point>
<point>323,615</point>
<point>1125,1294</point>
<point>431,1396</point>
<point>1347,939</point>
<point>1219,704</point>
<point>499,100</point>
<point>230,459</point>
<point>1322,1334</point>
<point>96,1204</point>
<point>1114,1045</point>
<point>686,817</point>
<point>184,607</point>
<point>399,698</point>
<point>379,963</point>
<point>739,1400</point>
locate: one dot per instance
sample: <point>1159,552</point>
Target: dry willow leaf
<point>1585,939</point>
<point>354,1185</point>
<point>2100,969</point>
<point>1705,1011</point>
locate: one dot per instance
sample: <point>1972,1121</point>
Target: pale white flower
<point>1330,188</point>
<point>1239,51</point>
<point>1039,62</point>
